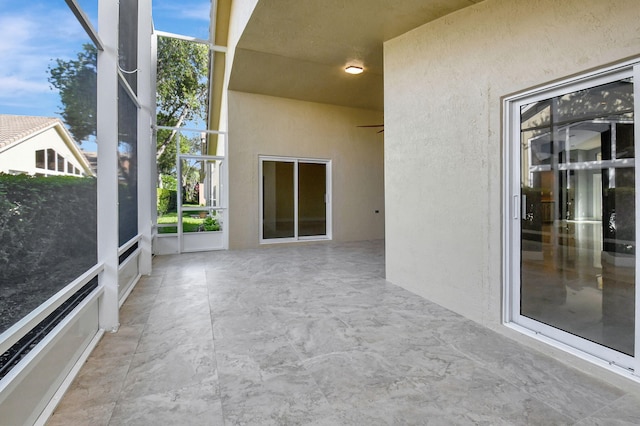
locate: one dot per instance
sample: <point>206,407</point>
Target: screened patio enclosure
<point>75,244</point>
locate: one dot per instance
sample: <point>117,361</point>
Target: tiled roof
<point>16,127</point>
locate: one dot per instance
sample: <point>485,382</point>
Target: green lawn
<point>189,222</point>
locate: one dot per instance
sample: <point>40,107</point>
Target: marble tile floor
<point>314,335</point>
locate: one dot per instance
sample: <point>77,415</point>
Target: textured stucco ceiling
<point>299,48</point>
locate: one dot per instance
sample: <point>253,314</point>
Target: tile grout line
<point>497,373</point>
<point>215,352</point>
<point>135,351</point>
<point>608,405</point>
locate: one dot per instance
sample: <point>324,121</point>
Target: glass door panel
<point>577,230</point>
<point>200,191</point>
<point>312,210</point>
<point>278,205</point>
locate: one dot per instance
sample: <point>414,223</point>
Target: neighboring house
<point>39,146</point>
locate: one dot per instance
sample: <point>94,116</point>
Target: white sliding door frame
<point>328,197</point>
<point>512,210</point>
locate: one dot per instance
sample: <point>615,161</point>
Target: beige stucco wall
<point>265,125</point>
<point>443,87</point>
<point>239,16</point>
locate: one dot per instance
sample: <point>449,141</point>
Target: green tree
<point>181,91</point>
<point>76,81</point>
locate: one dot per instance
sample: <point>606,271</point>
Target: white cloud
<point>199,11</point>
<point>196,10</point>
<point>32,35</point>
<point>15,33</point>
<point>15,85</point>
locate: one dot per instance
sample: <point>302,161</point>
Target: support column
<point>146,144</point>
<point>107,139</point>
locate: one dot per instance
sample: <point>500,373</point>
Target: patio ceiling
<point>299,49</point>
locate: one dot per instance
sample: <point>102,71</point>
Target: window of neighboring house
<point>69,168</point>
<point>40,159</point>
<point>295,199</point>
<point>51,159</point>
<point>572,213</point>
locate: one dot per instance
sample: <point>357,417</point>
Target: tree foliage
<point>181,80</point>
<point>76,81</point>
<point>181,90</point>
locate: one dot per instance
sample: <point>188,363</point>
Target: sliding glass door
<point>294,199</point>
<point>312,207</point>
<point>278,210</point>
<point>572,214</point>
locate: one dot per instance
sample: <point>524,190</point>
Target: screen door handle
<point>516,207</point>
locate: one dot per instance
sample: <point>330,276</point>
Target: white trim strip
<point>212,46</point>
<point>201,157</point>
<point>587,165</point>
<point>610,366</point>
<point>185,129</point>
<point>129,259</point>
<point>196,209</point>
<point>126,246</point>
<point>636,129</point>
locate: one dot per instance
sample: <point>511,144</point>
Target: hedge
<point>47,228</point>
<point>167,201</point>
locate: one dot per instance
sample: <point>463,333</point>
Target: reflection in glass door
<point>294,199</point>
<point>278,200</point>
<point>577,215</point>
<point>312,189</point>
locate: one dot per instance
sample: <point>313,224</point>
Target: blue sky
<point>34,33</point>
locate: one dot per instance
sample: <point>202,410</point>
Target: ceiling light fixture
<point>352,69</point>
